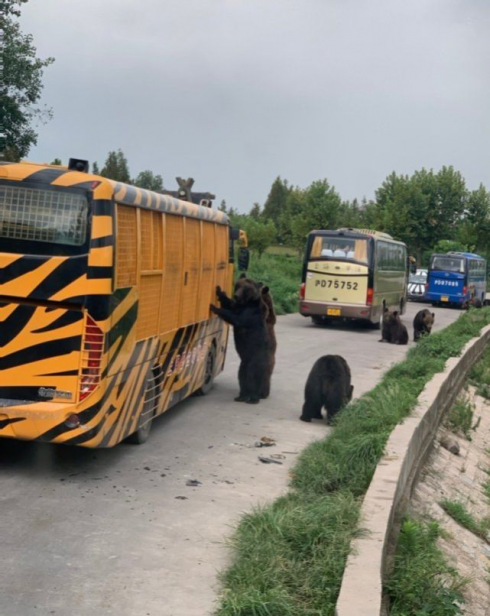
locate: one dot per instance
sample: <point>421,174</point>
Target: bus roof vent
<point>78,164</point>
<point>367,232</point>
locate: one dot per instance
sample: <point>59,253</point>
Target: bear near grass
<point>422,323</point>
<point>474,302</point>
<point>328,386</point>
<point>393,330</point>
<point>247,313</point>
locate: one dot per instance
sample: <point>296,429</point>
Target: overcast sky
<point>236,92</point>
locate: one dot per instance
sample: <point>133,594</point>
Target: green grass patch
<point>479,376</point>
<point>460,417</point>
<point>282,273</point>
<point>464,518</point>
<point>422,581</point>
<point>282,250</point>
<point>284,563</point>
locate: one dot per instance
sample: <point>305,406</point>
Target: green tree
<point>56,161</point>
<point>222,206</point>
<point>21,87</point>
<point>276,201</point>
<point>260,234</point>
<point>150,181</point>
<point>116,167</point>
<point>255,212</point>
<point>293,207</point>
<point>474,230</point>
<point>320,209</point>
<point>95,168</point>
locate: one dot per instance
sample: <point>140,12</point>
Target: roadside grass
<point>464,518</point>
<point>460,417</point>
<point>282,250</point>
<point>289,556</point>
<point>479,376</point>
<point>282,273</point>
<point>422,581</point>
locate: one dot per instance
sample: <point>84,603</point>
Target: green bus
<point>353,274</point>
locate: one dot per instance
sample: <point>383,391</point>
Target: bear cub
<point>328,386</point>
<point>422,323</point>
<point>393,330</point>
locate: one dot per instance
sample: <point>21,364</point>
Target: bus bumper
<point>448,299</point>
<point>347,311</point>
<point>41,421</point>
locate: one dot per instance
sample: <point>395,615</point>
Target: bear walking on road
<point>328,386</point>
<point>393,330</point>
<point>422,323</point>
<point>248,313</point>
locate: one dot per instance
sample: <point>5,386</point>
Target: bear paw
<point>307,419</point>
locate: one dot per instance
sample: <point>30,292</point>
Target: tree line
<point>427,210</point>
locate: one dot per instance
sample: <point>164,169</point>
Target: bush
<point>282,273</point>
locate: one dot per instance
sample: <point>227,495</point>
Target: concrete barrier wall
<point>361,593</point>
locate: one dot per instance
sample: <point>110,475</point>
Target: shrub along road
<point>119,532</point>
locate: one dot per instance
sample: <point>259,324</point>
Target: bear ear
<point>433,315</point>
<point>385,309</point>
<point>395,314</point>
<point>242,276</point>
<point>265,290</point>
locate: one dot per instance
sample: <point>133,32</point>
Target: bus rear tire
<point>142,434</point>
<point>209,372</point>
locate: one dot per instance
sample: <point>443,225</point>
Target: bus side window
<point>150,282</point>
<point>126,246</point>
<point>173,272</point>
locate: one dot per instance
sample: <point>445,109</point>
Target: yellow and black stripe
<point>46,302</point>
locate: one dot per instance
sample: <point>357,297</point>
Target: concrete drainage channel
<point>361,592</point>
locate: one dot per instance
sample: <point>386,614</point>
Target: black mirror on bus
<point>234,234</point>
<point>243,259</point>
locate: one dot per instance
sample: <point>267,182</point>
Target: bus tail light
<point>93,348</point>
<point>369,297</point>
<point>302,291</point>
<point>465,290</point>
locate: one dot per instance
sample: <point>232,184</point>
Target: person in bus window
<point>349,253</point>
<point>327,252</point>
<point>338,252</point>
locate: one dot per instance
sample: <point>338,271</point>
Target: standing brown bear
<point>328,386</point>
<point>393,330</point>
<point>248,314</point>
<point>270,322</point>
<point>422,323</point>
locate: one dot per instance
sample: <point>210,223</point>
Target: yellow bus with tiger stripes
<point>105,291</point>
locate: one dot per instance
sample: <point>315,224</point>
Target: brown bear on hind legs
<point>248,313</point>
<point>328,386</point>
<point>270,321</point>
<point>393,330</point>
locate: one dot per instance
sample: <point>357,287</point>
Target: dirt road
<point>96,533</point>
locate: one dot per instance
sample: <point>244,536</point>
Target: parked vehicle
<point>416,285</point>
<point>456,277</point>
<point>353,274</point>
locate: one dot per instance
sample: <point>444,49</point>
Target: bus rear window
<point>448,264</point>
<point>37,215</point>
<point>339,248</point>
